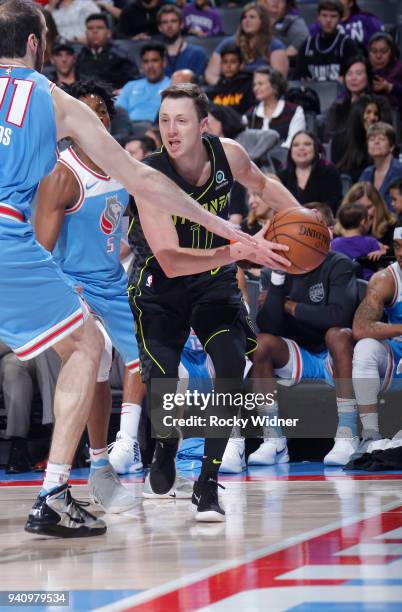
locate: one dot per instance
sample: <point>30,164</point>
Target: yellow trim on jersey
<point>140,315</point>
<point>253,349</point>
<point>222,331</point>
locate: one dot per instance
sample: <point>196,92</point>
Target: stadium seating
<point>231,19</point>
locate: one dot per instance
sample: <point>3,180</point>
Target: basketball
<point>305,233</point>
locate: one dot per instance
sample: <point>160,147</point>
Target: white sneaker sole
<point>228,470</point>
<point>136,467</point>
<point>209,517</point>
<point>282,459</point>
<point>335,461</point>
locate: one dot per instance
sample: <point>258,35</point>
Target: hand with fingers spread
<point>266,253</point>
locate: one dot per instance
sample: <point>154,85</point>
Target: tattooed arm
<point>367,320</point>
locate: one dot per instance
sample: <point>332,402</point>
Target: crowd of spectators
<point>342,151</point>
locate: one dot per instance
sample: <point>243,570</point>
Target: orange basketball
<point>305,233</point>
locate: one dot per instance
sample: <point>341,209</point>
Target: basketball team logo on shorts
<point>111,215</point>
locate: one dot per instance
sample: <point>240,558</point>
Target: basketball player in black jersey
<point>209,301</point>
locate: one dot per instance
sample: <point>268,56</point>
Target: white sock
<point>56,475</point>
<point>370,421</point>
<point>347,417</point>
<point>130,419</point>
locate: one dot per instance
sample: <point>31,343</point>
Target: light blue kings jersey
<point>27,135</point>
<point>88,249</point>
<point>394,310</point>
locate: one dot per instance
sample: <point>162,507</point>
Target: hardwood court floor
<point>323,531</point>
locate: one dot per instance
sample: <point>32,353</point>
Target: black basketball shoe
<point>205,501</point>
<point>59,514</point>
<point>162,475</point>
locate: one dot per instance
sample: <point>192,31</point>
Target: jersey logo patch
<point>111,215</point>
<point>149,281</point>
<point>316,292</point>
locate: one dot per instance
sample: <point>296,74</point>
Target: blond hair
<point>383,218</point>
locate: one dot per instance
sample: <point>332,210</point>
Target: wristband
<point>277,278</point>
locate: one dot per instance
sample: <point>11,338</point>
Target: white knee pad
<point>106,359</point>
<point>371,361</point>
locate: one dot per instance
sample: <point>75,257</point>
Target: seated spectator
<point>381,143</point>
<point>64,61</point>
<point>273,112</point>
<point>357,80</point>
<point>355,242</point>
<point>357,24</point>
<point>381,220</point>
<point>349,144</point>
<point>307,176</point>
<point>395,193</point>
<point>387,67</point>
<point>224,122</point>
<point>141,98</point>
<point>102,60</point>
<point>139,148</point>
<point>17,386</point>
<point>183,76</point>
<point>377,353</point>
<point>154,133</point>
<point>70,16</point>
<point>322,54</point>
<point>255,40</point>
<point>180,54</point>
<point>202,20</point>
<point>235,86</point>
<point>259,214</point>
<point>138,19</point>
<point>287,24</point>
<point>302,332</point>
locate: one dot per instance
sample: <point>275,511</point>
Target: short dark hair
<point>188,90</point>
<point>18,19</point>
<point>153,46</point>
<point>278,82</point>
<point>80,89</point>
<point>169,8</point>
<point>324,209</point>
<point>98,17</point>
<point>396,185</point>
<point>330,5</point>
<point>231,49</point>
<point>352,214</point>
<point>232,124</point>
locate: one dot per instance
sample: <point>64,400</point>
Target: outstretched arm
<point>246,172</point>
<point>174,260</point>
<point>76,120</point>
<point>367,321</point>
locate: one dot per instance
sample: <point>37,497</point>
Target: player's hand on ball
<point>267,255</point>
<point>227,230</point>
